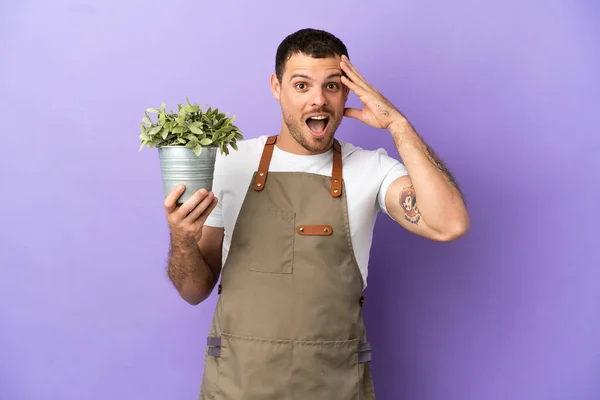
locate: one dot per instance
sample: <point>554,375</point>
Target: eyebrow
<point>333,75</point>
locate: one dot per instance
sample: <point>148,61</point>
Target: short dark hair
<point>311,42</point>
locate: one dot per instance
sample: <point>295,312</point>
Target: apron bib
<point>288,322</point>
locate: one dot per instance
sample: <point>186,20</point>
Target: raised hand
<point>186,221</point>
<point>377,112</point>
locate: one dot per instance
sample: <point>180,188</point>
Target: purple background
<point>505,91</point>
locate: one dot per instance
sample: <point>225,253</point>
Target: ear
<point>275,86</point>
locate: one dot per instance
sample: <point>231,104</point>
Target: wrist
<point>184,244</point>
<point>403,133</point>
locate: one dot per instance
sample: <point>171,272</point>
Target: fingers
<point>204,215</point>
<point>190,204</point>
<point>353,74</point>
<point>352,113</point>
<point>171,200</point>
<point>354,87</point>
<point>203,209</point>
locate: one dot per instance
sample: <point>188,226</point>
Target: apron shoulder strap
<point>265,161</point>
<point>336,172</point>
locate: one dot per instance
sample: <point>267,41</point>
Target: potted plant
<point>187,142</point>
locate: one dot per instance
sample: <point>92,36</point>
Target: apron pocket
<point>326,370</point>
<point>254,369</point>
<point>272,243</point>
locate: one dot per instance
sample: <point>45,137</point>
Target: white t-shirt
<point>367,175</point>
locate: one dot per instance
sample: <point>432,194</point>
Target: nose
<point>318,97</point>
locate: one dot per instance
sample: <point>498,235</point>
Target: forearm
<point>440,200</point>
<point>189,272</point>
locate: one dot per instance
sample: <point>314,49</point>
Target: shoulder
<point>246,147</point>
<point>367,159</point>
<point>371,168</point>
<point>248,151</point>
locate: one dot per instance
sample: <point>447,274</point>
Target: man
<point>291,233</point>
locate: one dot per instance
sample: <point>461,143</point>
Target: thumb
<point>352,113</point>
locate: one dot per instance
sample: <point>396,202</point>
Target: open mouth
<point>318,124</point>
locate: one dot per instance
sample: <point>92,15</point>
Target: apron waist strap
<point>364,349</point>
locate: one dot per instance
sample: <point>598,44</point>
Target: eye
<point>332,86</point>
<point>300,86</point>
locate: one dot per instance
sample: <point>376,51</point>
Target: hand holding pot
<point>186,220</point>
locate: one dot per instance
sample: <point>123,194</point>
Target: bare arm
<point>427,201</point>
<point>194,269</point>
<point>195,250</point>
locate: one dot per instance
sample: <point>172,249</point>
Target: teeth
<point>318,117</point>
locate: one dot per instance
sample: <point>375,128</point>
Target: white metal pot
<point>179,164</point>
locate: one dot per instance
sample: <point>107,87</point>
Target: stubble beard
<point>299,131</point>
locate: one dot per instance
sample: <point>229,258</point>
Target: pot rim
<point>182,145</point>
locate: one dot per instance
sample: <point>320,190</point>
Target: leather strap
<point>336,173</point>
<point>263,167</point>
<point>265,161</point>
<point>315,230</point>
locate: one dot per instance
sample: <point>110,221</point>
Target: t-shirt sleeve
<point>392,169</point>
<point>215,218</point>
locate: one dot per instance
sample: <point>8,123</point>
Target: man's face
<point>312,99</point>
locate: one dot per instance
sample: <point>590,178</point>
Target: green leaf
<point>195,129</point>
<point>197,150</point>
<point>155,130</point>
<point>180,129</point>
<point>231,136</point>
<point>155,142</point>
<point>164,133</point>
<point>190,126</point>
<point>219,124</point>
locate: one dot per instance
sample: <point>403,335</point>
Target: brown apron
<point>288,323</point>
